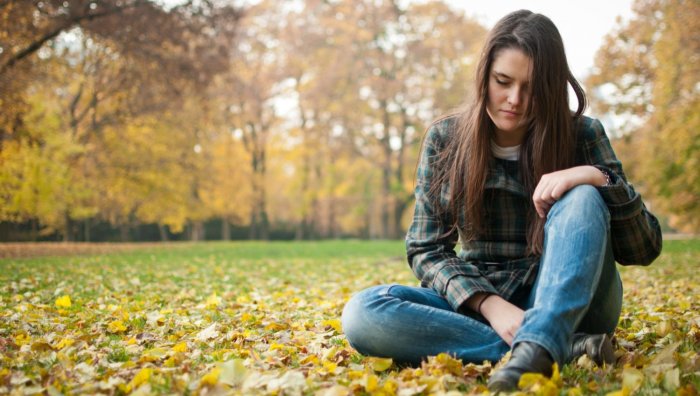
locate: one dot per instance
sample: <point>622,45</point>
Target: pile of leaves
<point>212,322</point>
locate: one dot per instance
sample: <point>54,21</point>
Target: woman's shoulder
<point>589,129</point>
<point>442,129</point>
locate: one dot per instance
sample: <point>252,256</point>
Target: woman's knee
<point>583,201</point>
<point>359,314</point>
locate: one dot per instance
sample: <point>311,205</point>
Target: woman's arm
<point>635,232</point>
<point>430,242</point>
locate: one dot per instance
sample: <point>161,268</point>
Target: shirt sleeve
<point>430,241</point>
<point>635,232</point>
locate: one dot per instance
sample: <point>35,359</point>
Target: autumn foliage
<point>647,77</point>
<point>297,117</point>
<point>304,116</point>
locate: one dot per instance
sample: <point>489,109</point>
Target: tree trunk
<point>225,229</point>
<point>399,208</point>
<point>197,231</point>
<point>299,232</point>
<point>163,232</point>
<point>386,202</point>
<point>35,230</point>
<point>265,223</point>
<point>253,231</point>
<point>124,232</point>
<point>67,232</point>
<point>86,224</point>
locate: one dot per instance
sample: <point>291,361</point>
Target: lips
<point>508,113</point>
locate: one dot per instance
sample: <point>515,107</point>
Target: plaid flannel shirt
<point>497,261</point>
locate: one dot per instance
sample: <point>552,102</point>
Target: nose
<point>514,96</point>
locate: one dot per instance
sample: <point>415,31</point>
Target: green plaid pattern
<point>497,261</point>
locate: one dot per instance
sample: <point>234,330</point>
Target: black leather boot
<point>598,347</point>
<point>527,357</point>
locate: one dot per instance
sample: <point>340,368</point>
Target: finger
<point>541,186</point>
<point>559,190</point>
<point>508,339</point>
<point>547,194</point>
<point>539,208</point>
<point>543,208</point>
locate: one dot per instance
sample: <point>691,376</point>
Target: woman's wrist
<point>600,178</point>
<point>475,302</point>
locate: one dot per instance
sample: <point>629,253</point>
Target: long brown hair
<point>549,144</point>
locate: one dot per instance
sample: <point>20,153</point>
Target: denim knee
<point>583,200</point>
<point>357,318</point>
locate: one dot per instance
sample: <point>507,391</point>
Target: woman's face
<point>509,95</point>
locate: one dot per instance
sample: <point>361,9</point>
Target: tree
<point>648,71</point>
<point>401,66</point>
<point>246,100</point>
<point>169,41</point>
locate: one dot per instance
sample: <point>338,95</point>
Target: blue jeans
<point>578,289</point>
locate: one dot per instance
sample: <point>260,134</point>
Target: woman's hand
<point>503,316</point>
<point>553,186</point>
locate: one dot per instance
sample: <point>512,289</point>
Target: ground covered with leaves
<point>254,318</point>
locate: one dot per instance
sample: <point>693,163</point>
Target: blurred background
<point>135,120</point>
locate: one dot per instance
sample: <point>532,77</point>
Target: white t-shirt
<point>507,153</point>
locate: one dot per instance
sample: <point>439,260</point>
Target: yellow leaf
<point>370,382</point>
<point>335,390</point>
<point>211,378</point>
<point>131,341</point>
<point>631,379</point>
<point>141,377</point>
<point>312,359</point>
<point>181,347</point>
<point>275,327</point>
<point>213,301</point>
<point>556,378</point>
<point>390,387</point>
<point>665,356</point>
<point>233,372</point>
<point>21,339</point>
<point>528,380</point>
<point>672,380</point>
<point>330,367</point>
<point>275,346</point>
<point>334,323</point>
<point>663,328</point>
<point>170,362</point>
<point>63,302</point>
<point>116,327</point>
<point>65,342</point>
<point>380,364</point>
<point>615,393</point>
<point>152,355</point>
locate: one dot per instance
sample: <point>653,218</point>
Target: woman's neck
<point>510,138</point>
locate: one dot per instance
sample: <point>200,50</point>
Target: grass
<point>252,317</point>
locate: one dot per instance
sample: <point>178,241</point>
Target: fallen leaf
<point>63,302</point>
<point>208,333</point>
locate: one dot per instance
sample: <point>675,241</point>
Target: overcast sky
<point>581,24</point>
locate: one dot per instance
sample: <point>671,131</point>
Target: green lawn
<point>264,318</point>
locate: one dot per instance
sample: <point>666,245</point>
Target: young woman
<point>543,210</point>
